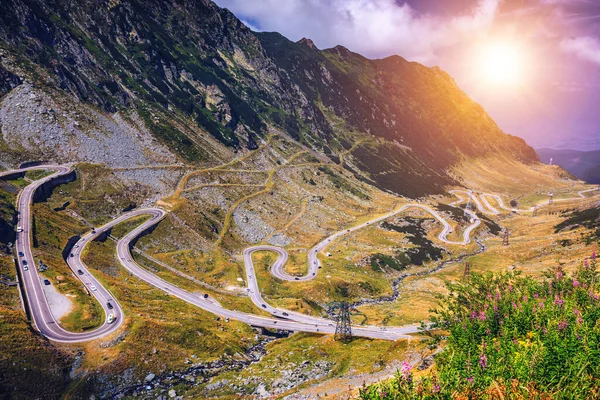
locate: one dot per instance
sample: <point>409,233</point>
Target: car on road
<point>72,255</point>
<point>46,282</point>
<point>24,262</point>
<point>296,278</point>
<point>80,272</point>
<point>206,296</point>
<point>109,305</point>
<point>19,229</point>
<point>110,319</point>
<point>264,305</point>
<point>93,288</point>
<point>25,267</point>
<point>76,246</point>
<point>285,314</point>
<point>21,254</point>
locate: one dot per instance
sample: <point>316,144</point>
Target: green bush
<point>512,337</point>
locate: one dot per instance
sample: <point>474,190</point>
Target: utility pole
<point>551,199</point>
<point>343,329</point>
<point>505,238</point>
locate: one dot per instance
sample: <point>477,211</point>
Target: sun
<point>501,63</point>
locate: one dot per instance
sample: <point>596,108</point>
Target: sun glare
<point>501,63</point>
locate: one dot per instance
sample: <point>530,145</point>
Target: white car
<point>25,268</point>
<point>93,288</point>
<point>19,229</point>
<point>110,319</point>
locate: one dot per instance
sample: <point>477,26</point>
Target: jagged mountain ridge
<point>196,65</point>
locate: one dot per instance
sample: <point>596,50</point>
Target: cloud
<point>371,27</point>
<point>585,47</point>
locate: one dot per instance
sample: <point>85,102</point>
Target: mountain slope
<point>187,68</point>
<point>583,164</point>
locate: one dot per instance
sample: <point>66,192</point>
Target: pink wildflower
<point>562,325</point>
<point>483,361</point>
<point>406,368</point>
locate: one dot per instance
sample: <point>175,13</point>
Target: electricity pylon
<point>343,328</point>
<point>505,238</point>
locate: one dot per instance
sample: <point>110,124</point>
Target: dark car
<point>264,306</point>
<point>46,282</point>
<point>72,255</point>
<point>109,305</point>
<point>285,314</point>
<point>296,278</point>
<point>206,296</point>
<point>21,254</point>
<point>24,262</point>
<point>80,272</point>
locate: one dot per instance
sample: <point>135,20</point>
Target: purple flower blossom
<point>483,361</point>
<point>471,379</point>
<point>406,368</point>
<point>562,325</point>
<point>535,296</point>
<point>435,388</point>
<point>575,283</point>
<point>558,301</point>
<point>594,256</point>
<point>525,298</point>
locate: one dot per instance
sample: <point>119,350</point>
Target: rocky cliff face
<point>186,69</point>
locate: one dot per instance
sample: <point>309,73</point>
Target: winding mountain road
<point>285,319</point>
<point>41,314</point>
<point>492,210</point>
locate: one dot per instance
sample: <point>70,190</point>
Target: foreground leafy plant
<point>509,336</point>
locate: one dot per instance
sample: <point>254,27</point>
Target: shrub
<point>510,336</point>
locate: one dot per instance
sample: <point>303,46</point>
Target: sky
<point>533,64</point>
